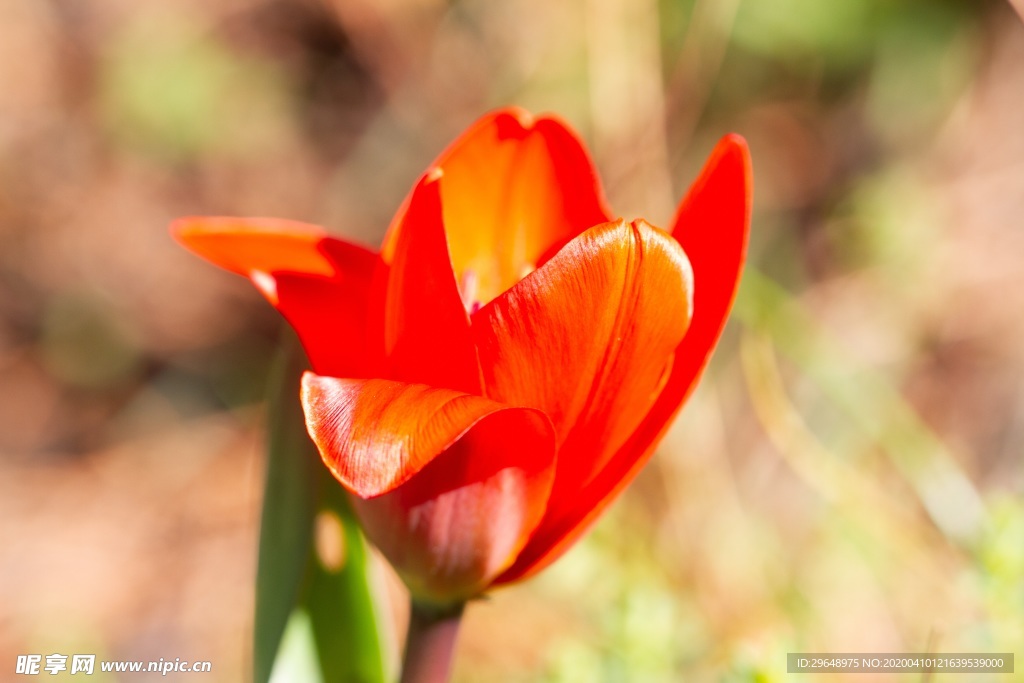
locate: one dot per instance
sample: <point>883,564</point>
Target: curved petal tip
<point>243,245</point>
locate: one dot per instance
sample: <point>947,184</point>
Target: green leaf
<point>346,621</point>
<point>289,509</point>
<point>297,658</point>
<point>327,603</point>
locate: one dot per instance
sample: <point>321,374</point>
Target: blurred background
<point>848,478</point>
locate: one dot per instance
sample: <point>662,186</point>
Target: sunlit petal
<point>712,225</point>
<point>589,338</point>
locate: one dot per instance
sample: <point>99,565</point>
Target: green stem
<point>430,643</point>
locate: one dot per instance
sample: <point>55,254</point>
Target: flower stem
<point>430,643</point>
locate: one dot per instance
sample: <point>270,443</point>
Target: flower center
<point>468,285</point>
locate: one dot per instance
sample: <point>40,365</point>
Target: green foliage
<point>341,603</point>
<point>326,611</point>
<point>289,510</point>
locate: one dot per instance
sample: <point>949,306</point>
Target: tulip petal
<point>712,225</point>
<point>450,486</point>
<point>320,284</point>
<point>514,190</point>
<point>427,337</point>
<point>588,338</point>
<point>244,245</point>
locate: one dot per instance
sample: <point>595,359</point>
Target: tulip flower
<point>487,382</point>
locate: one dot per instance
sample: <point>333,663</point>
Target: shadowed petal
<point>589,339</point>
<point>320,284</point>
<point>712,226</point>
<point>450,486</point>
<point>426,329</point>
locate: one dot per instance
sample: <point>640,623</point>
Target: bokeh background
<point>848,478</point>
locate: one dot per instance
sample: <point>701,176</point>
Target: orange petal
<point>244,245</point>
<point>319,283</point>
<point>712,225</point>
<point>514,190</point>
<point>588,338</point>
<point>450,485</point>
<point>426,329</point>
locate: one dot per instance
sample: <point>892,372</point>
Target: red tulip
<point>492,378</point>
